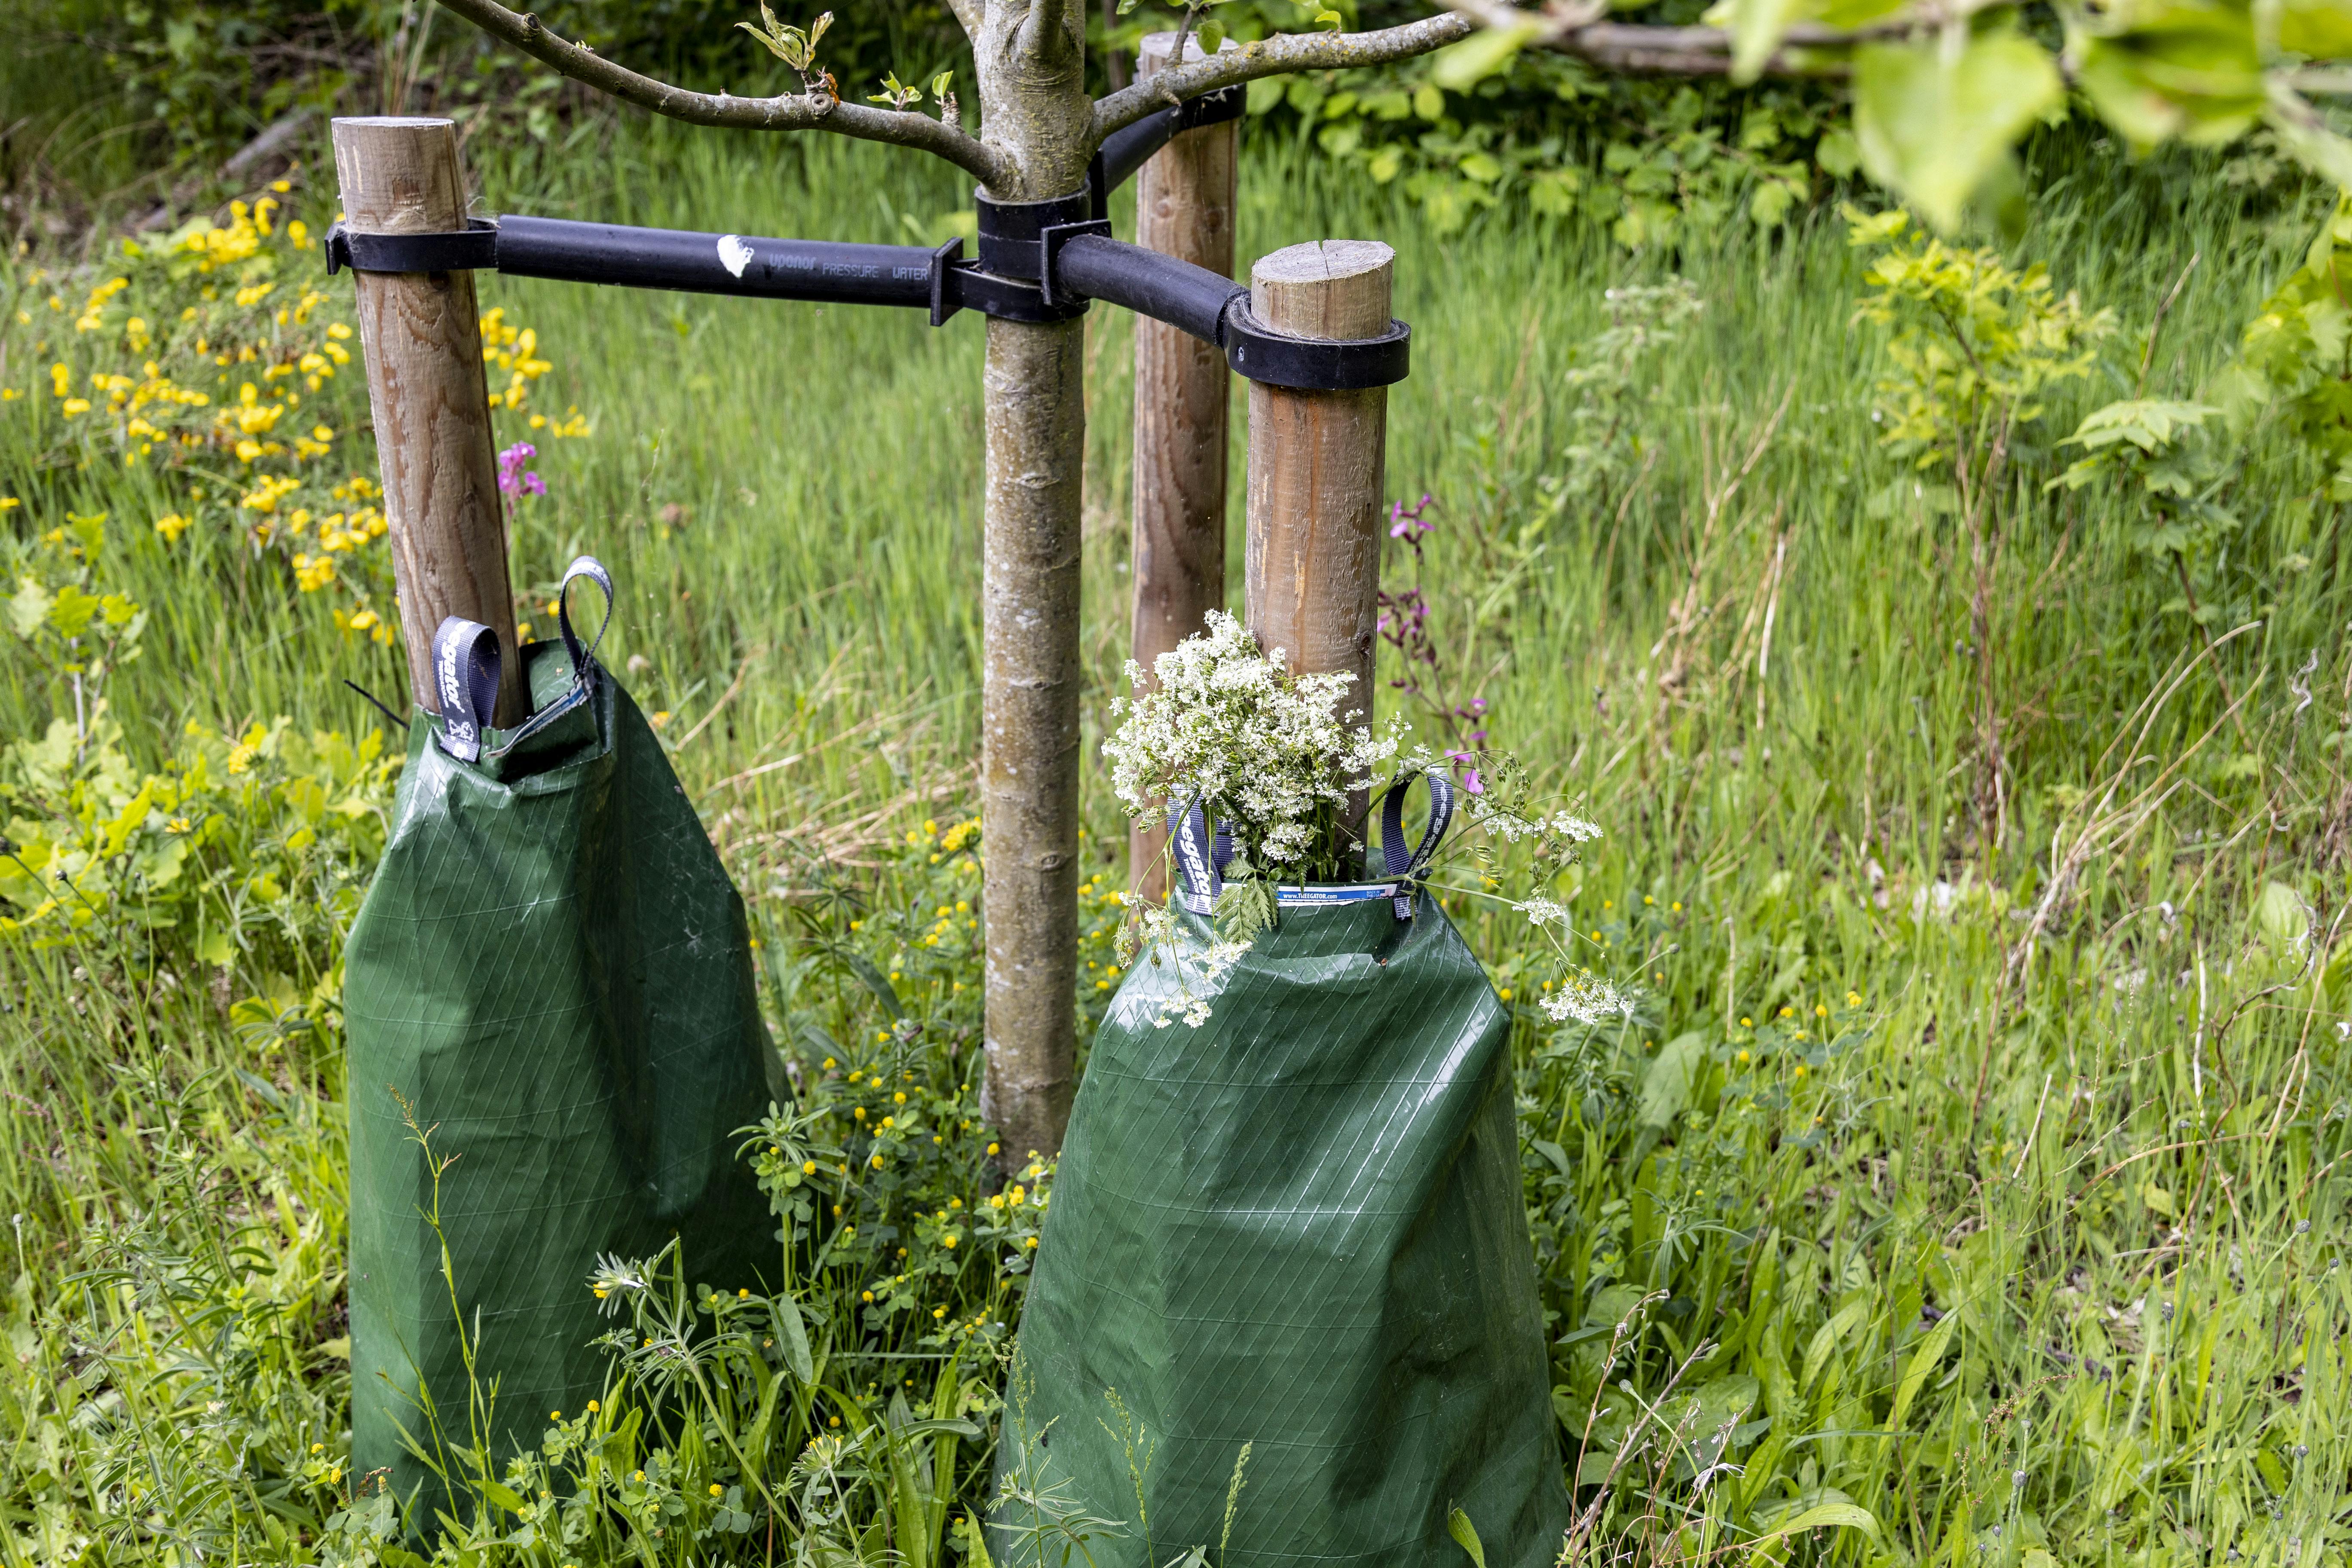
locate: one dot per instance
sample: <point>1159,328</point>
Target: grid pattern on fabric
<point>1298,1226</point>
<point>554,969</point>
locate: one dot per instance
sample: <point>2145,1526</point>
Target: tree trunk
<point>1031,65</point>
<point>1029,726</point>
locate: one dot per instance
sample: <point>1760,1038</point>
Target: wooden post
<point>1183,207</point>
<point>1317,463</point>
<point>421,333</point>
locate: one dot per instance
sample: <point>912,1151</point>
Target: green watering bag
<point>1296,1225</point>
<point>553,970</point>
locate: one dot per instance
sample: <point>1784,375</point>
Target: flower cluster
<point>1265,752</point>
<point>207,357</point>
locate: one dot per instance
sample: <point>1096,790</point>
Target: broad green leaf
<point>1757,28</point>
<point>1923,1362</point>
<point>1933,128</point>
<point>30,606</point>
<point>1460,67</point>
<point>2279,911</point>
<point>875,982</point>
<point>1212,36</point>
<point>2152,425</point>
<point>2301,130</point>
<point>1826,1337</point>
<point>2320,28</point>
<point>1429,102</point>
<point>2185,71</point>
<point>1823,1516</point>
<point>1465,1536</point>
<point>975,1540</point>
<point>71,613</point>
<point>795,1334</point>
<point>1666,1086</point>
<point>1838,153</point>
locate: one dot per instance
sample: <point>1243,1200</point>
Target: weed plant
<point>1966,1187</point>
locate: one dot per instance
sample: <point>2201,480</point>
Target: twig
<point>787,112</point>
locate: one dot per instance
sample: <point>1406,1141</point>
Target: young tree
<point>1941,91</point>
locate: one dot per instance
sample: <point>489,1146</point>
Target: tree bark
<point>1031,62</point>
<point>422,336</point>
<point>1183,207</point>
<point>1035,396</point>
<point>1317,472</point>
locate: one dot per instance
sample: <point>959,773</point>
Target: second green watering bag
<point>552,975</point>
<point>1295,1226</point>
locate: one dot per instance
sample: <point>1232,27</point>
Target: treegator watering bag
<point>551,975</point>
<point>1295,1225</point>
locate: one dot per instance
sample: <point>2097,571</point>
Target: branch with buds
<point>817,107</point>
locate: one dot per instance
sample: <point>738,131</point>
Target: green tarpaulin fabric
<point>552,969</point>
<point>1296,1225</point>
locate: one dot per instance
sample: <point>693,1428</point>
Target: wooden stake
<point>421,333</point>
<point>1316,462</point>
<point>1183,207</point>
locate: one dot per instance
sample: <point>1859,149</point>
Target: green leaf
<point>1823,1516</point>
<point>2188,71</point>
<point>1465,1536</point>
<point>1838,153</point>
<point>2152,425</point>
<point>1826,1337</point>
<point>1429,102</point>
<point>874,980</point>
<point>795,1334</point>
<point>2303,134</point>
<point>29,608</point>
<point>2320,28</point>
<point>1460,66</point>
<point>1923,1361</point>
<point>1212,36</point>
<point>2280,912</point>
<point>71,613</point>
<point>1756,29</point>
<point>1934,128</point>
<point>1667,1086</point>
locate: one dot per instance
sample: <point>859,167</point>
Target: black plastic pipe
<point>1188,297</point>
<point>1124,151</point>
<point>714,263</point>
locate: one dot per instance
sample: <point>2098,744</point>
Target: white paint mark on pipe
<point>733,254</point>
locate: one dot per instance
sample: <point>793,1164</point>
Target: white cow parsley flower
<point>1588,999</point>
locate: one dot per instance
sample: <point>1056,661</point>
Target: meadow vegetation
<point>1964,1188</point>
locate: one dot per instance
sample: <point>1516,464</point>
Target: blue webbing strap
<point>1200,859</point>
<point>466,669</point>
<point>1407,865</point>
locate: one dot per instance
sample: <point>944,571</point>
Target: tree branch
<point>790,111</point>
<point>1632,50</point>
<point>968,13</point>
<point>1273,56</point>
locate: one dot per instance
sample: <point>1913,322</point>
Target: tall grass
<point>1880,1233</point>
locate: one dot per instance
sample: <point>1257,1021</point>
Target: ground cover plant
<point>1954,653</point>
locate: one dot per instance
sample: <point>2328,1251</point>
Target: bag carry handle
<point>1407,865</point>
<point>586,566</point>
<point>467,664</point>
